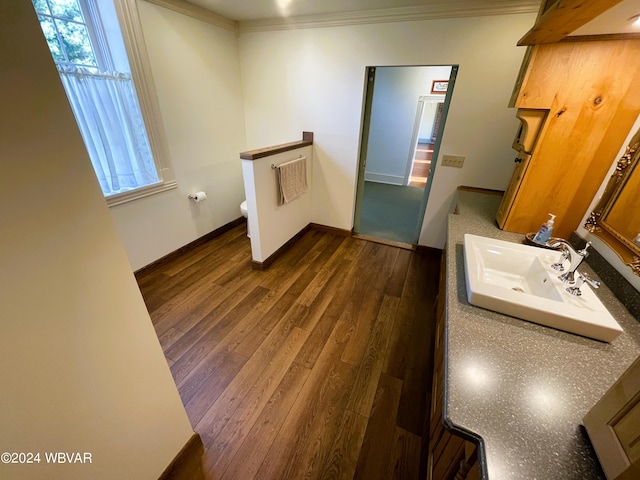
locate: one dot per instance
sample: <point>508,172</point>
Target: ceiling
<point>615,20</point>
<point>247,10</point>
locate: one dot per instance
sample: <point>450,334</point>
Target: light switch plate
<point>453,161</point>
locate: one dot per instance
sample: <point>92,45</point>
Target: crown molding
<point>432,11</point>
<point>441,10</point>
<point>199,13</point>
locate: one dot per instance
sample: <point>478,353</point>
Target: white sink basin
<point>518,280</point>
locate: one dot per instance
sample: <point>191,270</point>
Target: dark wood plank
<point>405,457</point>
<point>199,400</point>
<point>329,378</point>
<point>307,139</point>
<point>307,435</point>
<point>313,368</point>
<point>278,342</point>
<point>366,381</point>
<point>202,295</point>
<point>399,273</point>
<point>170,337</point>
<point>397,362</point>
<point>262,327</point>
<point>194,345</point>
<point>322,297</point>
<point>413,409</point>
<point>343,457</point>
<point>362,317</point>
<point>250,403</point>
<point>265,430</point>
<point>176,284</point>
<point>195,304</point>
<point>378,439</point>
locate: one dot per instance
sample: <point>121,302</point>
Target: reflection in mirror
<point>616,218</point>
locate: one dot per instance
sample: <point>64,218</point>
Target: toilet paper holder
<point>198,196</point>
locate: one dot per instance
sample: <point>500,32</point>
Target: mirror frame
<point>596,224</point>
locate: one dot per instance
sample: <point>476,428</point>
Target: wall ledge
<point>307,139</point>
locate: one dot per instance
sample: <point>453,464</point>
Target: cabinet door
<point>522,161</point>
<point>450,457</point>
<point>531,123</point>
<point>613,425</point>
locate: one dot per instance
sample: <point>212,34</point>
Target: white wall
<point>393,114</point>
<point>197,76</point>
<point>272,225</point>
<point>428,119</point>
<point>82,368</point>
<point>315,78</point>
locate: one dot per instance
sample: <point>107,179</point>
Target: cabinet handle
<point>518,160</point>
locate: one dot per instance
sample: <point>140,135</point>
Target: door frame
<point>369,81</point>
<point>422,99</point>
<point>436,150</point>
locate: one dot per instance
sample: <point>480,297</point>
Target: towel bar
<point>274,166</point>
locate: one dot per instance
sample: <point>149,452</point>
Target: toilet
<point>245,214</point>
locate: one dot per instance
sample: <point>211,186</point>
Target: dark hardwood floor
<point>318,367</point>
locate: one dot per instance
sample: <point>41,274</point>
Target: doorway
<point>404,114</point>
<point>423,139</point>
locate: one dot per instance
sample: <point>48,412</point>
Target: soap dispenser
<point>544,233</point>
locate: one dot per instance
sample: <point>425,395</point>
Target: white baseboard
<point>383,178</point>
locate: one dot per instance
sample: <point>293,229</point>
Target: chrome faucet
<point>569,253</point>
<point>582,279</point>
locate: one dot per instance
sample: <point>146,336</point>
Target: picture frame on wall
<point>439,86</point>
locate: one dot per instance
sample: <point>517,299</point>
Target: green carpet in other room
<point>390,211</point>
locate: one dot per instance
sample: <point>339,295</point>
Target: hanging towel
<point>292,180</point>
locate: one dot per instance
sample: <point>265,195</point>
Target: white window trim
<point>133,37</point>
<point>96,33</point>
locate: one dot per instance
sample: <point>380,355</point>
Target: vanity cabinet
<point>591,91</point>
<point>450,456</point>
<point>613,425</point>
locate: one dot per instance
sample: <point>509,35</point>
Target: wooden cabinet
<point>450,457</point>
<point>591,90</point>
<point>532,121</point>
<point>613,425</point>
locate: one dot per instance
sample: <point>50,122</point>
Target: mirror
<point>616,218</point>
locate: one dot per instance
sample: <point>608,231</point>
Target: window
<point>121,134</point>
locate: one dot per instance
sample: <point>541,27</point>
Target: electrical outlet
<point>452,161</point>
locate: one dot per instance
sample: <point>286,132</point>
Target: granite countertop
<point>520,388</point>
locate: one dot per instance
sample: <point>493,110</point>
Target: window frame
<point>131,27</point>
<point>141,75</point>
<point>97,35</point>
<point>91,34</point>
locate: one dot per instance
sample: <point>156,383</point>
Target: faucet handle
<point>584,252</point>
<point>586,278</point>
<point>581,280</point>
